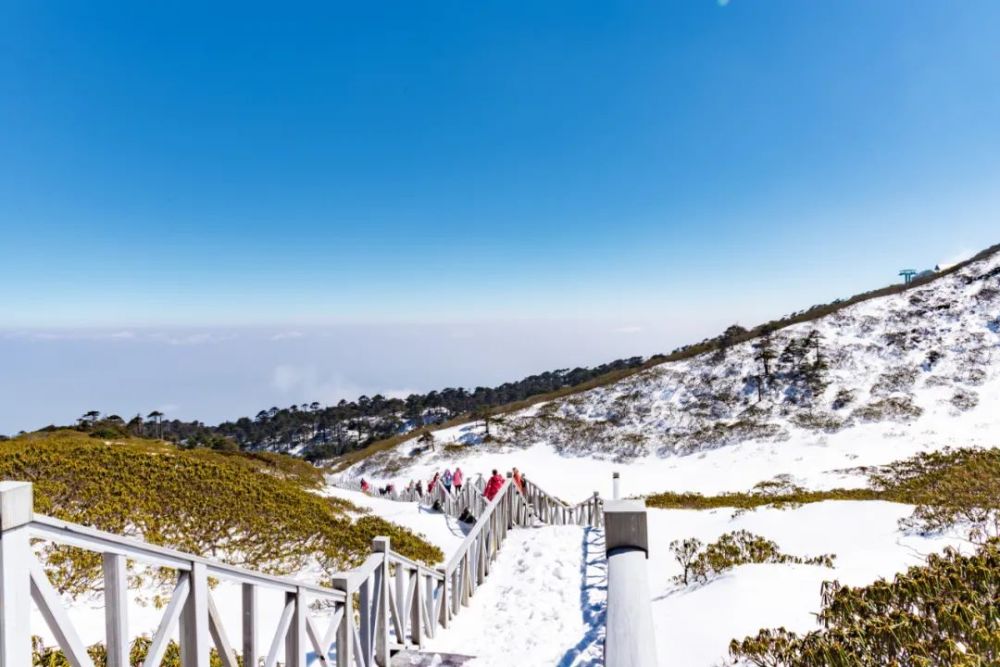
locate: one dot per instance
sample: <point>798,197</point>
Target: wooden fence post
<point>194,639</point>
<point>382,657</point>
<point>249,624</point>
<point>116,610</point>
<point>16,512</point>
<point>345,632</point>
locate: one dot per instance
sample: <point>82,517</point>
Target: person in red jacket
<point>456,480</point>
<point>519,480</point>
<point>493,486</point>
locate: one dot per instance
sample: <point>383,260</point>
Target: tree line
<point>316,432</point>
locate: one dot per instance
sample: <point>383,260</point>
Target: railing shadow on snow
<point>594,575</point>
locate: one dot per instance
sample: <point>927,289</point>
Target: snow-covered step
<point>428,659</point>
<point>542,605</point>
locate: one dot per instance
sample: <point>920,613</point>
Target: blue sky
<point>674,164</point>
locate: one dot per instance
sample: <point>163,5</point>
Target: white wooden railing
<point>539,504</point>
<point>314,618</point>
<point>388,603</point>
<point>551,510</point>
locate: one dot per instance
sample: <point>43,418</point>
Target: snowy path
<point>542,605</point>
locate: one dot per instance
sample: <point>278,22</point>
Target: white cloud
<point>306,384</point>
<point>285,335</point>
<point>199,338</point>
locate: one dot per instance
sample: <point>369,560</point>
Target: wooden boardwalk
<point>387,606</point>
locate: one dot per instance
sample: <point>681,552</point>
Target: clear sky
<point>657,166</point>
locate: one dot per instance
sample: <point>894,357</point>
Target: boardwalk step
<point>419,659</point>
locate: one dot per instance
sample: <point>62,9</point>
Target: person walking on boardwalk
<point>446,479</point>
<point>433,482</point>
<point>364,485</point>
<point>519,481</point>
<point>456,480</point>
<point>493,486</point>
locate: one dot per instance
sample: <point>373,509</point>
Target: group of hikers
<point>451,480</point>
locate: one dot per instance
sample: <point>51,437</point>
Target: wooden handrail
<point>388,617</point>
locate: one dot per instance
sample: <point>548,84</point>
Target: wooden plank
<point>295,650</point>
<point>345,629</point>
<point>219,638</point>
<point>279,635</point>
<point>249,624</point>
<point>15,596</point>
<point>321,649</point>
<point>381,621</point>
<point>194,635</point>
<point>364,612</point>
<point>416,629</point>
<point>115,610</point>
<point>50,605</point>
<point>154,656</point>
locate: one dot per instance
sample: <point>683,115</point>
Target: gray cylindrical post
<point>616,487</point>
<point>630,637</point>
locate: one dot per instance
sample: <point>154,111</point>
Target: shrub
<point>941,613</point>
<point>45,656</point>
<point>893,408</point>
<point>254,511</point>
<point>739,547</point>
<point>950,488</point>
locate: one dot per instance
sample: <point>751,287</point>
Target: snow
<point>695,624</point>
<point>440,530</point>
<point>542,603</point>
<point>544,600</point>
<point>926,347</point>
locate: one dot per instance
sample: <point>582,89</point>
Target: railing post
<point>445,609</point>
<point>345,633</point>
<point>295,649</point>
<point>629,637</point>
<point>116,610</point>
<point>194,639</point>
<point>16,512</point>
<point>616,489</point>
<point>249,624</point>
<point>382,545</point>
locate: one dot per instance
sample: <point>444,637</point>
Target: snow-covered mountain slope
<point>868,384</point>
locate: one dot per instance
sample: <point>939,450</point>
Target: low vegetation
<point>949,488</point>
<point>754,499</point>
<point>252,510</point>
<point>47,656</point>
<point>941,613</point>
<point>700,564</point>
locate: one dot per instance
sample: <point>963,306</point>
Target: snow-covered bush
<point>942,613</point>
<point>740,547</point>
